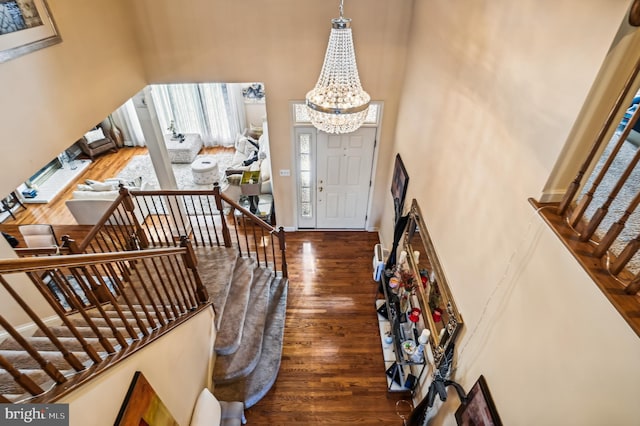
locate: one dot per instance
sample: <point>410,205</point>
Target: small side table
<point>264,208</point>
<point>10,202</point>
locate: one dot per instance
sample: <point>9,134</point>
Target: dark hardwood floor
<point>332,371</point>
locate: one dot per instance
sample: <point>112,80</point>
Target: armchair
<point>97,141</point>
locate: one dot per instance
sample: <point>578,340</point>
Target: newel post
<point>283,252</point>
<point>191,261</point>
<point>130,207</point>
<point>70,244</point>
<point>226,235</point>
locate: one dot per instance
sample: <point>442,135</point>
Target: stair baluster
<point>226,235</point>
<point>191,262</point>
<point>82,278</point>
<point>171,301</point>
<point>264,248</point>
<point>127,300</point>
<point>48,368</point>
<point>71,359</point>
<point>20,378</point>
<point>116,306</point>
<point>73,299</point>
<point>283,247</point>
<point>42,287</point>
<point>154,279</point>
<point>143,284</point>
<point>186,290</point>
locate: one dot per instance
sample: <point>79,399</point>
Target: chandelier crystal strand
<point>338,104</point>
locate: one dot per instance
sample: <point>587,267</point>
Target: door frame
<point>298,122</point>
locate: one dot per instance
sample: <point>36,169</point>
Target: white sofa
<point>90,202</point>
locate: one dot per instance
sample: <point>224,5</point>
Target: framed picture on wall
<point>478,409</point>
<point>142,406</point>
<point>25,26</point>
<point>399,184</point>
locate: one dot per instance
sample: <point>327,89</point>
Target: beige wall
<point>52,96</point>
<point>281,43</point>
<point>177,375</point>
<point>491,92</point>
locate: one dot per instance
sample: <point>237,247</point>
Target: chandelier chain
<point>338,104</point>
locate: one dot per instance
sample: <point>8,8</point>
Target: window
<point>214,110</point>
<point>301,116</point>
<point>305,150</point>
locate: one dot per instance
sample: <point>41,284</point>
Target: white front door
<point>343,177</point>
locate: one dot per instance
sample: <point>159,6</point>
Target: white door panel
<point>344,164</point>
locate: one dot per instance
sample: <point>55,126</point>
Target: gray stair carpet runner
<point>232,318</point>
<point>216,266</point>
<point>247,339</point>
<point>255,386</point>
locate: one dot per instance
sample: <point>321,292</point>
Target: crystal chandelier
<point>338,104</point>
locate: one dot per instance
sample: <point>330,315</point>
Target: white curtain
<point>211,109</point>
<point>127,120</point>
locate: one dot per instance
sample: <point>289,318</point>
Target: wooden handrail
<point>29,264</point>
<point>234,204</point>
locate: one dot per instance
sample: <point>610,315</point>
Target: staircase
<point>31,371</point>
<point>251,306</point>
<point>124,286</point>
<point>112,304</point>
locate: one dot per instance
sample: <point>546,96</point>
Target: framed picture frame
<point>25,26</point>
<point>142,406</point>
<point>399,183</point>
<point>478,408</point>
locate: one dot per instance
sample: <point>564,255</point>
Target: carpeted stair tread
<point>243,361</point>
<point>101,322</point>
<point>63,331</point>
<point>231,319</point>
<point>14,397</point>
<point>255,386</point>
<point>42,379</point>
<point>219,296</point>
<point>21,359</point>
<point>216,266</point>
<point>126,311</point>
